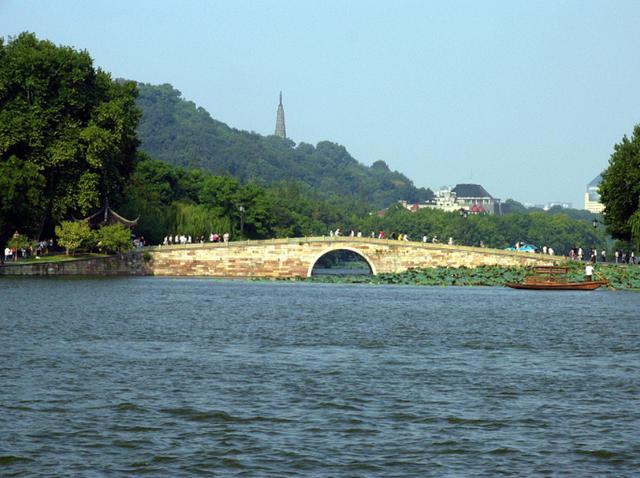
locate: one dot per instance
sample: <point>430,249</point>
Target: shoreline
<point>620,276</point>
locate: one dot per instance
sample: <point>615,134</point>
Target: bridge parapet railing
<point>355,239</point>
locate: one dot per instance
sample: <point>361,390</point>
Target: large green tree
<point>620,188</point>
<point>67,134</point>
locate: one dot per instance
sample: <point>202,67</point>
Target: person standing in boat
<point>588,273</point>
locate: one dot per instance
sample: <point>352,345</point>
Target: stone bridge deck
<point>296,257</point>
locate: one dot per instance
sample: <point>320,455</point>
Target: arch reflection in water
<point>341,262</point>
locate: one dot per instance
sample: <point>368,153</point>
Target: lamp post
<point>464,214</point>
<point>241,209</point>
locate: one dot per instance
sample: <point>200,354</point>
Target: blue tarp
<point>524,248</point>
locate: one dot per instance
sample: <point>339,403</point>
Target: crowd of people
<point>394,236</point>
<point>37,249</point>
<point>619,256</point>
<point>139,241</point>
<point>576,253</point>
<point>181,239</point>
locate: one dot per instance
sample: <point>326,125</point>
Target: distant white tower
<point>280,128</point>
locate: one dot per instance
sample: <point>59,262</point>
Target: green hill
<point>180,133</point>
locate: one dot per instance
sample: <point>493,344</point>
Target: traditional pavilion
<point>107,216</point>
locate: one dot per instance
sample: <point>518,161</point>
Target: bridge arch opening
<point>341,261</point>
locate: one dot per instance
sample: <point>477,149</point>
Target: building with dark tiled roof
<point>476,199</point>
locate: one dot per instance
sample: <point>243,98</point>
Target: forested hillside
<point>180,133</point>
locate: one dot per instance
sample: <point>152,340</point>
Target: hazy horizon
<point>527,99</point>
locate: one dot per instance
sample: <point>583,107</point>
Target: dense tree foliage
<point>67,135</point>
<point>557,230</point>
<point>173,200</point>
<point>620,189</point>
<point>113,238</point>
<point>176,131</point>
<point>73,235</point>
<point>511,205</point>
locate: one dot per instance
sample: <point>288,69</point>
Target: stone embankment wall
<point>128,264</point>
<point>280,258</point>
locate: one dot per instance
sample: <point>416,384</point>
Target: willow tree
<point>67,135</point>
<point>620,189</point>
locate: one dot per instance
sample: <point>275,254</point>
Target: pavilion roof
<point>107,216</point>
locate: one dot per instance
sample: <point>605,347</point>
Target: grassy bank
<point>53,258</point>
<point>620,277</point>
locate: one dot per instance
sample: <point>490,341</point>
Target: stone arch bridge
<point>296,257</point>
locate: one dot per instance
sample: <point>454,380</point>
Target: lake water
<point>182,377</point>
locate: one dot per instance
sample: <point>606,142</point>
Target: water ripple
<point>200,377</point>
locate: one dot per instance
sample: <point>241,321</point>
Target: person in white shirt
<point>588,272</point>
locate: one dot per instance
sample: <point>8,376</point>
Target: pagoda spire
<point>280,127</point>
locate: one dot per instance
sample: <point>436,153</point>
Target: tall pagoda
<point>280,128</point>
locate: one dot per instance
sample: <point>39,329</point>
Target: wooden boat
<point>554,278</point>
<point>587,285</point>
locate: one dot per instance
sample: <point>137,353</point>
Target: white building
<point>445,199</point>
<point>472,198</point>
<point>562,205</point>
<point>592,196</point>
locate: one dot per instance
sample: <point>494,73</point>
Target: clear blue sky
<point>526,98</point>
